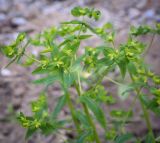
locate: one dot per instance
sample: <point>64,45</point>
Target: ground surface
<point>31,16</point>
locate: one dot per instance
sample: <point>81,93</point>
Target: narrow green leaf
<point>60,104</point>
<point>124,138</point>
<point>123,68</point>
<point>76,65</point>
<point>94,107</point>
<point>68,79</point>
<point>47,128</point>
<point>46,80</point>
<point>82,118</point>
<point>149,138</point>
<point>82,37</point>
<point>119,113</point>
<point>41,70</point>
<point>30,132</point>
<point>83,137</point>
<point>131,68</point>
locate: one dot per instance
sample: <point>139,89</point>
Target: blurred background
<point>32,16</point>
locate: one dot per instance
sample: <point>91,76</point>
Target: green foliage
<point>95,109</point>
<point>83,137</point>
<point>60,104</point>
<point>149,138</point>
<point>124,138</point>
<point>40,119</point>
<point>120,113</point>
<point>60,61</point>
<point>91,13</point>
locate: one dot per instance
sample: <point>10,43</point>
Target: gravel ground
<point>32,16</point>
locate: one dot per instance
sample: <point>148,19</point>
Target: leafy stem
<point>88,115</point>
<point>79,90</point>
<point>32,58</point>
<point>145,112</point>
<point>72,112</point>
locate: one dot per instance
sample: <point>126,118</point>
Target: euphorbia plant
<point>60,62</point>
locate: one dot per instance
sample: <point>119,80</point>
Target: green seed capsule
<point>156,80</point>
<point>158,101</point>
<point>25,124</point>
<point>150,74</point>
<point>35,109</point>
<point>110,38</point>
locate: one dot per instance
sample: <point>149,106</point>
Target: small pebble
<point>2,16</point>
<point>149,14</point>
<point>19,21</point>
<point>6,72</point>
<point>133,13</point>
<point>141,4</point>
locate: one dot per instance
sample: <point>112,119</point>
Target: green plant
<point>60,62</point>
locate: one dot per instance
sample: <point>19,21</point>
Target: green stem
<point>150,45</point>
<point>88,116</point>
<point>92,124</point>
<point>70,105</point>
<point>146,115</point>
<point>130,109</point>
<point>113,81</point>
<point>113,44</point>
<point>79,89</point>
<point>145,112</point>
<point>32,58</point>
